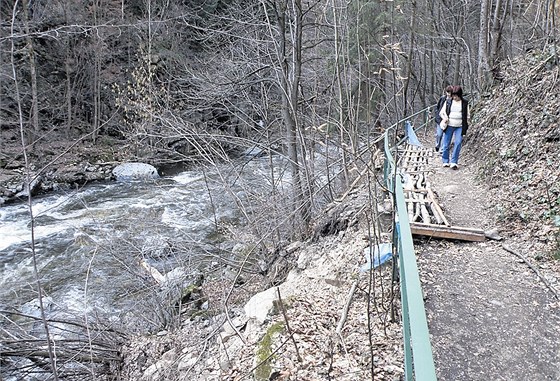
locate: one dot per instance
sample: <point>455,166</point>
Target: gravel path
<point>489,314</point>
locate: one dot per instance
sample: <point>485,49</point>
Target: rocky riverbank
<point>314,315</point>
<point>52,165</point>
<point>57,163</point>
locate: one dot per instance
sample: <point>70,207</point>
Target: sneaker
<point>446,164</point>
<point>454,166</point>
<point>437,148</point>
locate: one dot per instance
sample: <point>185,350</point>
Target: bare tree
<point>33,76</point>
<point>483,41</point>
<point>50,344</point>
<point>410,56</point>
<point>288,25</point>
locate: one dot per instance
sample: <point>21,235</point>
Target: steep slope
<point>512,156</point>
<point>515,139</point>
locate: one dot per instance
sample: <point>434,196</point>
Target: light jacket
<point>464,111</point>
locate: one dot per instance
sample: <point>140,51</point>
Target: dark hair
<point>449,89</point>
<point>457,90</point>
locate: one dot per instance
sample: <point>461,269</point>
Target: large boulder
<point>135,171</point>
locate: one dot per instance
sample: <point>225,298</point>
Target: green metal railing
<point>418,358</point>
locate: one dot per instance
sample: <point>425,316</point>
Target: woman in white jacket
<point>455,122</point>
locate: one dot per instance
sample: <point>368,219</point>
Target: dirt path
<point>489,315</point>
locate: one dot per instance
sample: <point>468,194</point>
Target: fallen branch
<point>287,324</point>
<point>535,270</point>
<point>154,273</point>
<point>346,308</point>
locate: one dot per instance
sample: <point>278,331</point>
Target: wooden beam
<point>436,206</point>
<point>447,232</point>
<point>417,190</point>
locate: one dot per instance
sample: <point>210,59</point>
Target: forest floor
<point>492,307</point>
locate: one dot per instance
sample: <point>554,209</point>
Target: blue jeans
<point>439,134</point>
<point>449,134</point>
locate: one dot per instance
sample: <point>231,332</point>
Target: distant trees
<point>96,46</point>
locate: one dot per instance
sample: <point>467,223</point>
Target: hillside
<point>515,140</point>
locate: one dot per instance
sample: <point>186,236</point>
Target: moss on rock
<point>265,352</point>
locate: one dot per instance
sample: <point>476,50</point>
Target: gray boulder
<point>135,171</point>
<point>254,151</point>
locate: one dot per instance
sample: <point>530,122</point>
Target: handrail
<point>418,357</point>
<point>390,162</point>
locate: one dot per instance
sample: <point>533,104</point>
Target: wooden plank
<point>448,232</point>
<point>423,190</point>
<point>426,218</point>
<point>437,216</point>
<point>422,200</point>
<point>415,172</point>
<point>410,209</point>
<point>419,152</point>
<point>416,208</point>
<point>435,205</point>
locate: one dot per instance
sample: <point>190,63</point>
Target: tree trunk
<point>33,73</point>
<point>68,69</point>
<point>457,69</point>
<point>496,37</point>
<point>483,67</point>
<point>96,74</point>
<point>339,92</point>
<point>410,55</point>
<point>289,88</point>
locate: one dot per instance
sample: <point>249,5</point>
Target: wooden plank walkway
<point>425,214</point>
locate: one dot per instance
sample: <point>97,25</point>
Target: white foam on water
<point>11,235</point>
<point>75,300</point>
<point>15,226</point>
<point>49,204</point>
<point>177,218</point>
<point>21,233</point>
<point>17,271</point>
<point>187,177</point>
<point>175,208</point>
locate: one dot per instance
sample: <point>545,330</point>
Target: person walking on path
<point>441,102</point>
<point>455,122</point>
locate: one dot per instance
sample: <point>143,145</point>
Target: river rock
<point>34,187</point>
<point>135,171</point>
<point>254,151</point>
<point>33,307</point>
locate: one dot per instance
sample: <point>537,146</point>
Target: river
<point>89,243</point>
